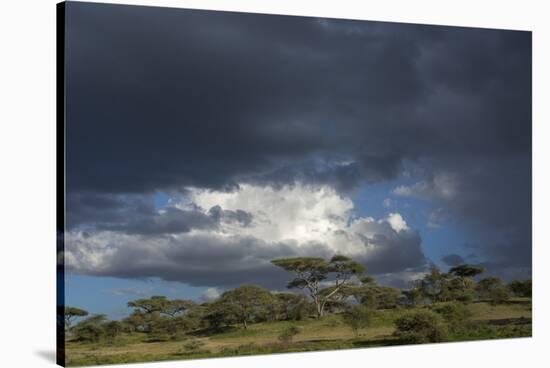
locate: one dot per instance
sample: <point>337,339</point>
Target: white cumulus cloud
<point>297,220</point>
<point>210,294</point>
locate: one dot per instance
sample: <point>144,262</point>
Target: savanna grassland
<point>339,308</point>
<point>512,319</point>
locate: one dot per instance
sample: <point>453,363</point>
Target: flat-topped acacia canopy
<point>310,271</point>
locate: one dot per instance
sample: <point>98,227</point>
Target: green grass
<point>512,319</point>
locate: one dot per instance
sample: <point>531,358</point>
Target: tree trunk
<point>320,309</point>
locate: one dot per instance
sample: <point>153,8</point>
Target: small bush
<point>491,288</point>
<point>455,314</point>
<point>358,317</point>
<point>244,349</point>
<point>288,334</point>
<point>521,288</point>
<point>484,331</point>
<point>465,296</point>
<point>112,329</point>
<point>193,345</point>
<point>91,330</point>
<point>331,322</point>
<point>420,327</point>
<point>499,295</point>
<point>91,333</point>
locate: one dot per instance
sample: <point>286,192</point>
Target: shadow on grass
<point>355,343</point>
<point>510,321</point>
<point>316,341</point>
<point>517,302</point>
<point>505,302</point>
<point>207,332</point>
<point>375,343</point>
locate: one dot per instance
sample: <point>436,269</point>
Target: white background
<point>27,181</point>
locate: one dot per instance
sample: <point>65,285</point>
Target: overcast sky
<point>201,145</point>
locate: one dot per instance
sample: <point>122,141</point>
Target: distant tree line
<point>336,286</point>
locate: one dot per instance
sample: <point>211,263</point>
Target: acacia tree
<point>217,314</point>
<point>493,289</point>
<point>71,313</point>
<point>435,285</point>
<point>159,316</point>
<point>92,329</point>
<point>372,295</point>
<point>380,297</point>
<point>288,306</point>
<point>413,295</point>
<point>151,305</point>
<point>487,285</point>
<point>521,288</point>
<point>247,302</point>
<point>311,272</point>
<point>113,329</point>
<point>457,284</point>
<point>176,307</point>
<point>465,272</point>
<point>161,305</point>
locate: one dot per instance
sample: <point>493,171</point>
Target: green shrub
<point>412,297</point>
<point>492,288</point>
<point>521,288</point>
<point>192,345</point>
<point>420,327</point>
<point>89,333</point>
<point>379,297</point>
<point>331,321</point>
<point>358,317</point>
<point>483,331</point>
<point>465,295</point>
<point>92,329</point>
<point>113,329</point>
<point>499,295</point>
<point>288,334</point>
<point>455,314</point>
<point>244,349</point>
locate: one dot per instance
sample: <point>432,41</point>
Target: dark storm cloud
<point>212,260</point>
<point>452,260</point>
<point>491,198</point>
<point>170,221</point>
<point>136,214</point>
<point>395,253</point>
<point>339,174</point>
<point>239,216</point>
<point>162,99</point>
<point>197,259</point>
<point>84,207</point>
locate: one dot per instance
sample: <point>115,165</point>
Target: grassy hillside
<point>511,319</point>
